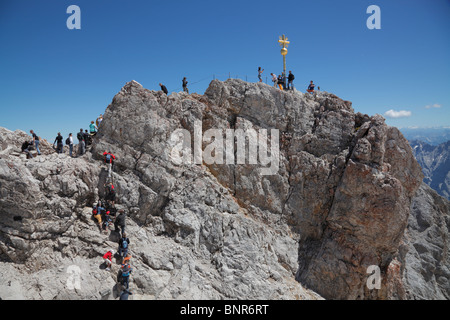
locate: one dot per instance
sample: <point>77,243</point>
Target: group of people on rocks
<point>104,212</point>
<point>184,83</point>
<point>280,81</point>
<point>84,140</point>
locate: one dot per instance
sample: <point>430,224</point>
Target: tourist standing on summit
<point>311,87</point>
<point>260,71</point>
<point>290,81</point>
<point>70,144</point>
<point>163,88</point>
<point>280,82</point>
<point>185,82</point>
<point>59,143</point>
<point>274,79</point>
<point>36,142</point>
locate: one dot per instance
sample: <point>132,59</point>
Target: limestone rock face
<point>425,253</point>
<point>326,195</point>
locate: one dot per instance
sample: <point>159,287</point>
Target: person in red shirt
<point>109,157</point>
<point>109,160</point>
<point>108,259</point>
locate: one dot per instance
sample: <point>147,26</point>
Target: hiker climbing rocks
<point>110,194</point>
<point>59,143</point>
<point>99,120</point>
<point>107,258</point>
<point>87,138</point>
<point>291,78</point>
<point>109,157</point>
<point>35,141</point>
<point>92,129</point>
<point>120,221</point>
<point>81,143</point>
<point>127,258</point>
<point>25,148</point>
<point>109,160</point>
<point>124,294</point>
<point>107,220</point>
<point>311,87</point>
<point>185,82</point>
<point>163,88</point>
<point>126,271</point>
<point>111,208</point>
<point>123,246</point>
<point>97,210</point>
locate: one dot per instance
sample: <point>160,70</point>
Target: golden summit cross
<point>283,41</point>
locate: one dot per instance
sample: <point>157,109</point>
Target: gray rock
<point>338,202</point>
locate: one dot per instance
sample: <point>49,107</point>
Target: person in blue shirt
<point>311,87</point>
<point>92,128</point>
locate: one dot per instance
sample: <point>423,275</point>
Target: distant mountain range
<point>432,136</point>
<point>435,163</point>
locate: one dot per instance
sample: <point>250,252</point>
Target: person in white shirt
<point>70,144</point>
<point>274,79</point>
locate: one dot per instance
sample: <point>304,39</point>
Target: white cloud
<point>397,114</point>
<point>433,106</point>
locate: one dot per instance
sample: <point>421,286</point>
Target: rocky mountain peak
<point>245,192</point>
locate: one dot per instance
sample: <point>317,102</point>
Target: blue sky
<point>54,79</point>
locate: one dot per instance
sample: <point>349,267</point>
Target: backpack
<point>120,276</point>
<point>126,270</point>
<point>124,243</point>
<point>94,211</point>
<point>67,141</point>
<point>108,157</point>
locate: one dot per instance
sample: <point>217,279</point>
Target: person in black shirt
<point>311,87</point>
<point>59,143</point>
<point>87,138</point>
<point>120,221</point>
<point>290,81</point>
<point>163,88</point>
<point>185,82</point>
<point>25,149</point>
<point>81,144</point>
<point>280,82</point>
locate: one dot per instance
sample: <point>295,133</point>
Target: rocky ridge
<point>435,163</point>
<point>347,194</point>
